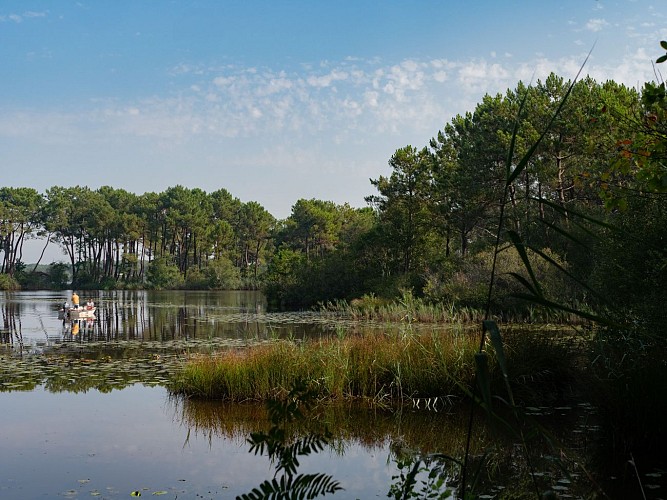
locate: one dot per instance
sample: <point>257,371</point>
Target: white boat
<point>80,313</point>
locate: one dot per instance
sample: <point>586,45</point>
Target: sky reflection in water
<point>79,444</point>
<point>89,443</point>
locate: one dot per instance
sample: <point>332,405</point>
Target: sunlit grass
<point>378,367</point>
<point>372,366</point>
<point>407,309</point>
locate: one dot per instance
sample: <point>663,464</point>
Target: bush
<point>8,283</point>
<point>195,279</point>
<point>222,274</point>
<point>466,283</point>
<point>161,274</point>
<point>59,275</point>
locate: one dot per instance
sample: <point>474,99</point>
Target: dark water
<point>85,412</point>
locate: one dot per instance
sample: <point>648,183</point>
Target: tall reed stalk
<point>482,378</point>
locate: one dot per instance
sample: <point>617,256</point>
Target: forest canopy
<point>429,228</point>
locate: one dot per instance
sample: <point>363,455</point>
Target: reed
<point>405,309</point>
<point>373,366</point>
<point>380,368</point>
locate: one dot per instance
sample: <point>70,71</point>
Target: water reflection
<point>11,324</point>
<point>426,431</point>
<point>426,440</point>
<point>31,319</point>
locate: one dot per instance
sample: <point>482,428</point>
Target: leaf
<point>588,218</point>
<point>565,271</point>
<point>524,282</point>
<point>518,244</point>
<point>497,343</point>
<point>515,132</point>
<point>663,44</point>
<point>483,378</point>
<point>661,59</point>
<point>582,314</point>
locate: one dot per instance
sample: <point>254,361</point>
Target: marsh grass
<point>401,367</point>
<point>409,309</point>
<point>406,309</point>
<point>373,366</point>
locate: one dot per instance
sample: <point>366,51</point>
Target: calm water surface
<point>108,445</point>
<point>98,432</point>
<point>84,411</point>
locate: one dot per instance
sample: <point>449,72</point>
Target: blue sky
<point>278,100</point>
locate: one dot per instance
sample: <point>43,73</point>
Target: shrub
<point>195,279</point>
<point>162,274</point>
<point>59,275</point>
<point>467,284</point>
<point>7,282</point>
<point>222,274</point>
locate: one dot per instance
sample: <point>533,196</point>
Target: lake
<point>86,412</point>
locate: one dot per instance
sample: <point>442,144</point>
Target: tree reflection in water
<point>142,337</point>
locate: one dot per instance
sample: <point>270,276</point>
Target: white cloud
<point>223,81</point>
<point>354,101</point>
<point>481,76</point>
<point>596,24</point>
<point>19,18</point>
<point>31,14</point>
<point>371,98</point>
<point>440,76</point>
<point>326,80</point>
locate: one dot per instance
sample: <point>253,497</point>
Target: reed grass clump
<point>406,309</point>
<point>373,366</point>
<point>380,367</point>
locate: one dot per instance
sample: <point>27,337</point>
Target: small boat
<point>80,313</point>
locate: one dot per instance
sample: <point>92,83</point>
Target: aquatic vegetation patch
<point>104,365</point>
<point>412,367</point>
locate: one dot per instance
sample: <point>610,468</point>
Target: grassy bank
<point>382,368</point>
<point>411,309</point>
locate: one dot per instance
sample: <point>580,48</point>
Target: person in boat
<point>90,305</point>
<point>75,300</point>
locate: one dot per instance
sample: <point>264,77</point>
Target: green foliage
<point>662,58</point>
<point>221,274</point>
<point>196,280</point>
<point>403,205</point>
<point>163,275</point>
<point>8,283</point>
<point>58,275</point>
<point>20,218</point>
<point>287,483</point>
<point>283,276</point>
<point>466,284</point>
<point>422,476</point>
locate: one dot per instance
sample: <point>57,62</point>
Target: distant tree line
<point>429,228</point>
<point>111,237</point>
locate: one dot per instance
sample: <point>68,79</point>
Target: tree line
<point>113,237</point>
<point>429,228</point>
<point>589,208</point>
